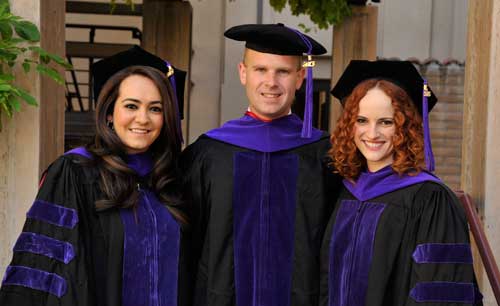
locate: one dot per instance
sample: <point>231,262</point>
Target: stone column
<point>52,95</point>
<point>33,137</point>
<point>207,66</point>
<point>355,38</point>
<point>167,30</point>
<point>481,145</point>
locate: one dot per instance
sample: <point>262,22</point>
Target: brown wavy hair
<point>118,182</point>
<point>408,140</point>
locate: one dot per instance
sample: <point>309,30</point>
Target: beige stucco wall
<point>492,161</point>
<point>19,152</point>
<point>206,66</point>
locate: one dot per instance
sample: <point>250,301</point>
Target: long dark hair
<point>119,182</point>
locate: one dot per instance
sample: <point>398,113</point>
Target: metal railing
<point>80,102</point>
<point>482,243</point>
<point>90,50</point>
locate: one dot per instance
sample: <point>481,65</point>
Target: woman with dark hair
<point>107,225</point>
<point>398,235</point>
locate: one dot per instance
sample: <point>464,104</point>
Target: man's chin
<point>270,112</point>
<point>272,116</point>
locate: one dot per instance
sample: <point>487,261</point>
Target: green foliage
<point>113,5</point>
<point>17,42</point>
<point>323,13</point>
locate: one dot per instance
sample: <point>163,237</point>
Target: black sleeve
<point>442,270</point>
<point>333,185</point>
<point>193,186</point>
<point>49,261</point>
<point>192,166</point>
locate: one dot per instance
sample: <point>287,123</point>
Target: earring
<point>109,123</point>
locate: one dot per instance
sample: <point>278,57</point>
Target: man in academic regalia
<point>258,185</point>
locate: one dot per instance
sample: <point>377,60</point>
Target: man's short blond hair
<point>299,59</point>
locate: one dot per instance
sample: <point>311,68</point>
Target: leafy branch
<point>321,12</point>
<point>112,3</point>
<point>14,49</point>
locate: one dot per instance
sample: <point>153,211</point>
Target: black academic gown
<point>397,241</point>
<point>258,217</point>
<point>68,254</point>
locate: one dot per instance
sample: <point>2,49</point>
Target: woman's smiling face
<point>374,129</point>
<point>138,113</point>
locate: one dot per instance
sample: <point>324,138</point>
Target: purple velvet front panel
<point>264,200</point>
<point>53,214</point>
<point>35,279</point>
<point>46,246</point>
<point>169,235</point>
<point>150,255</point>
<point>443,253</point>
<point>351,251</point>
<point>448,292</point>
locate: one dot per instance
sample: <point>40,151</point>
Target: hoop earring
<point>109,123</point>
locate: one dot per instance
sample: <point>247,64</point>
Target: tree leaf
<point>5,30</point>
<point>26,67</point>
<point>6,107</point>
<point>18,40</point>
<point>14,46</point>
<point>14,103</point>
<point>278,5</point>
<point>112,6</point>
<point>27,30</point>
<point>40,51</point>
<point>6,77</point>
<point>44,58</point>
<point>4,7</point>
<point>323,13</point>
<point>5,87</point>
<point>27,97</point>
<point>131,3</point>
<point>50,72</point>
<point>59,60</point>
<point>7,55</point>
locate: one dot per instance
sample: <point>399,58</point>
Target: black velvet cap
<point>274,39</point>
<point>402,73</point>
<point>102,70</point>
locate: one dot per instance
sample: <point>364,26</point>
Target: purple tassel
<point>171,78</point>
<point>429,156</point>
<point>308,107</point>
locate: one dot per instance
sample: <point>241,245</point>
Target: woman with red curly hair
<point>398,235</point>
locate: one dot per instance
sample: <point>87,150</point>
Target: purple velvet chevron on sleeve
<point>53,214</point>
<point>443,253</point>
<point>448,292</point>
<point>46,246</point>
<point>35,279</point>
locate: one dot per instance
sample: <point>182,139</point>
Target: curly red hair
<point>408,139</point>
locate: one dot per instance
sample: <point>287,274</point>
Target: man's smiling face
<point>270,81</point>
